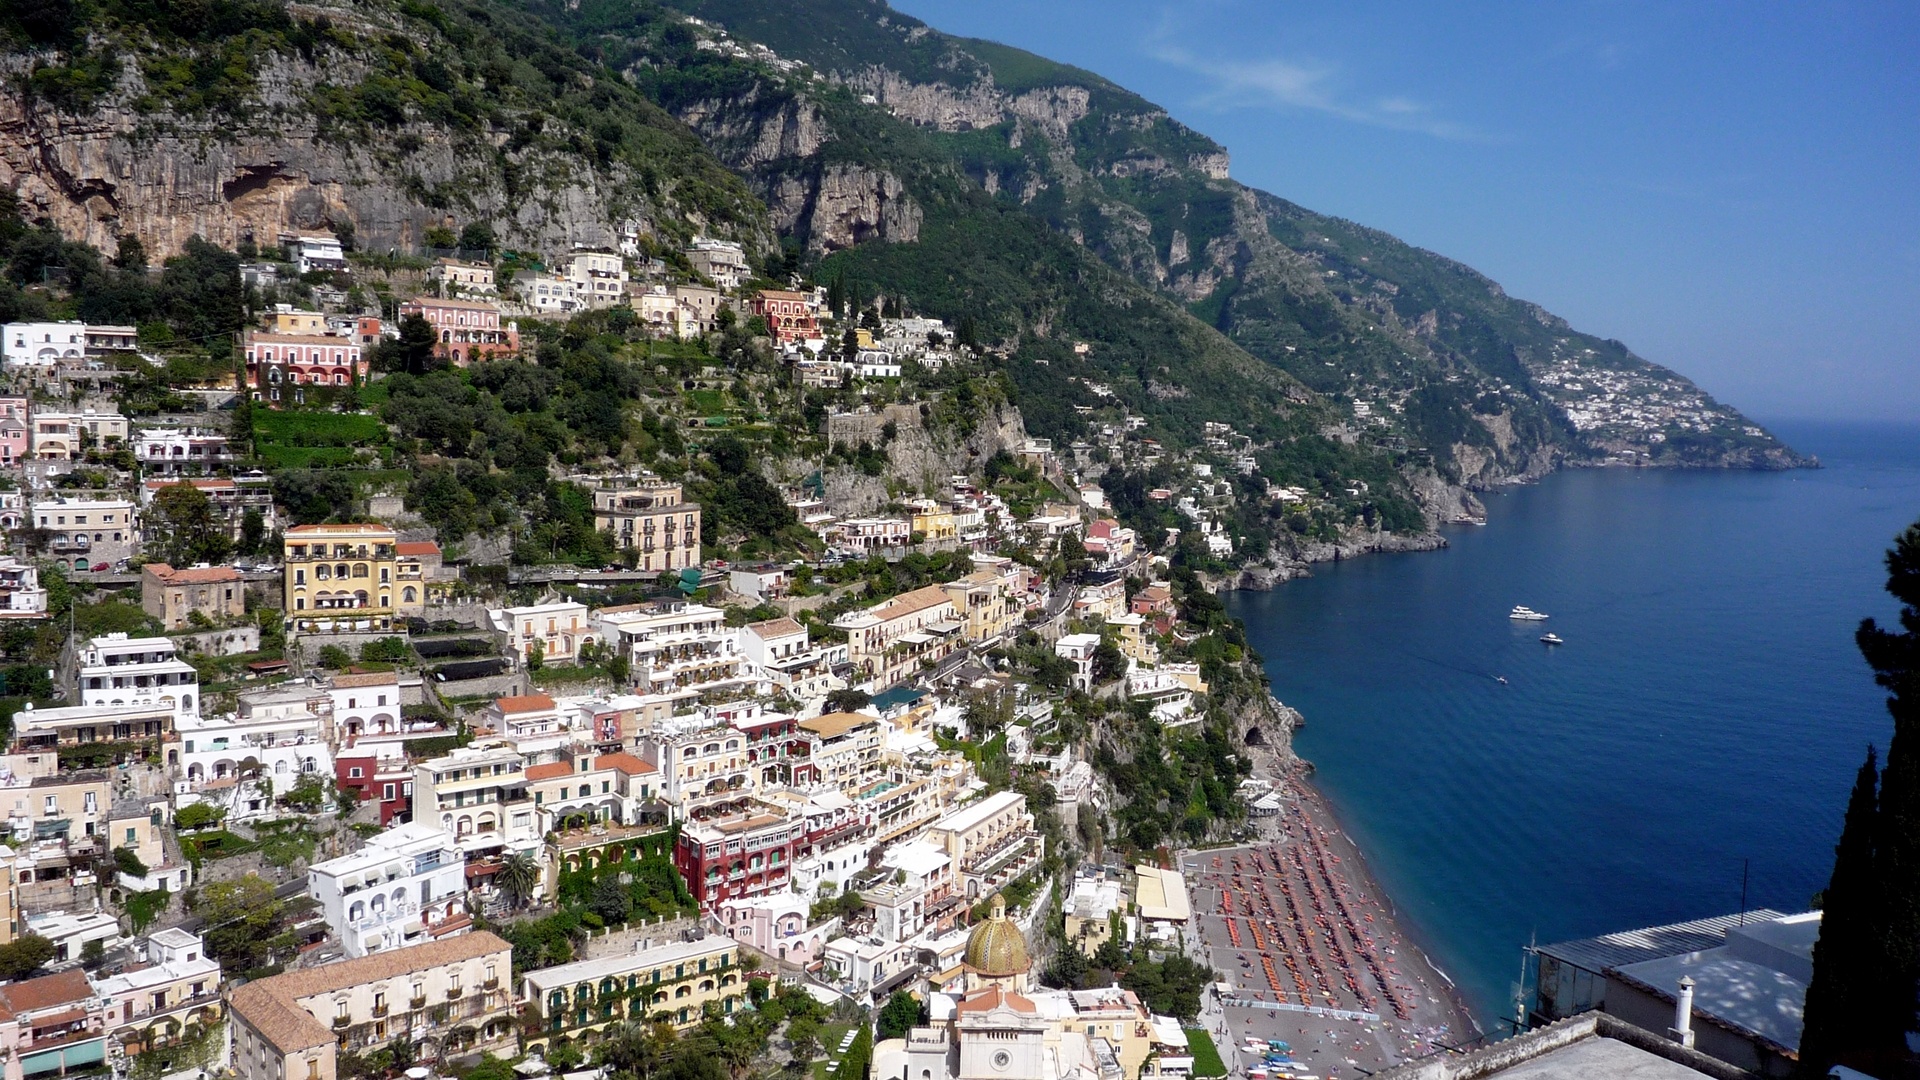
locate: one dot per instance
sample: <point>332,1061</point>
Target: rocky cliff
<point>377,122</point>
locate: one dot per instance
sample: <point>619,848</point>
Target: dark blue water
<point>1707,708</point>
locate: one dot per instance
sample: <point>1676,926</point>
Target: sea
<point>1687,751</point>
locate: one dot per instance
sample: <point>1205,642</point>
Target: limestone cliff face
<point>918,458</point>
<point>754,131</point>
<point>837,206</point>
<point>115,172</point>
<point>772,139</point>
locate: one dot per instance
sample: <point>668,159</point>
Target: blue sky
<point>1731,189</point>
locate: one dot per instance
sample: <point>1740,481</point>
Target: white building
<point>177,979</point>
<point>780,654</point>
<point>366,704</point>
<point>119,670</point>
<point>314,251</point>
<point>21,596</point>
<point>177,450</point>
<point>406,887</point>
<point>599,278</point>
<point>547,294</point>
<point>557,630</point>
<point>721,261</point>
<point>675,646</point>
<point>241,762</point>
<point>42,344</point>
<point>479,794</point>
<point>61,436</point>
<point>1078,649</point>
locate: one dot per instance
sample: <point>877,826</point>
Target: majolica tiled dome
<point>996,948</point>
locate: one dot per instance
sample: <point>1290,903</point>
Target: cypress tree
<point>1842,999</point>
<point>1894,656</point>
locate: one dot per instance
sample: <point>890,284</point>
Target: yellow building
<point>987,603</point>
<point>286,320</point>
<point>672,982</point>
<point>935,525</point>
<point>340,577</point>
<point>291,1026</point>
<point>1133,641</point>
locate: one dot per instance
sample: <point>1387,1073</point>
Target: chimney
<point>1682,1030</point>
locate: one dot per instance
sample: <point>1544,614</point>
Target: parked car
<point>100,568</point>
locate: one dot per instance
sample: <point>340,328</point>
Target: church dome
<point>996,948</point>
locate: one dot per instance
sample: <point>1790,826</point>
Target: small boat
<point>1552,639</point>
<point>1501,679</point>
<point>1526,614</point>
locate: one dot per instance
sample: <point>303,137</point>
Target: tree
<point>386,650</point>
<point>311,496</point>
<point>334,657</point>
<point>1109,663</point>
<point>253,531</point>
<point>611,900</point>
<point>900,1014</point>
<point>188,528</point>
<point>1895,659</point>
<point>1861,1003</point>
<point>803,1038</point>
<point>198,816</point>
<point>24,955</point>
<point>517,879</point>
<point>242,918</point>
<point>418,339</point>
<point>848,700</point>
<point>1845,957</point>
<point>477,236</point>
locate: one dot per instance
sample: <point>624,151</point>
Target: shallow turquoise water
<point>1708,707</point>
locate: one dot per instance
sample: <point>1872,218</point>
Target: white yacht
<point>1552,639</point>
<point>1526,614</point>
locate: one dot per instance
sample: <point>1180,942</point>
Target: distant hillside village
<point>303,786</point>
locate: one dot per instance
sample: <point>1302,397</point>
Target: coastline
<point>1342,976</point>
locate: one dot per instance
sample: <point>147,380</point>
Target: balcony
<point>417,1003</point>
<point>453,993</point>
<point>342,1023</point>
<point>379,1010</point>
<point>490,985</point>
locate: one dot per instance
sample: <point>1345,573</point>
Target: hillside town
<point>325,791</point>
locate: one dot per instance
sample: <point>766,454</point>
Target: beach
<point>1308,950</point>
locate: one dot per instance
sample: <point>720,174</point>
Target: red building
<point>787,316</point>
<point>388,781</point>
<point>469,330</point>
<point>748,854</point>
<point>278,365</point>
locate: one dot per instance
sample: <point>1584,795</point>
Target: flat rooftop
<point>1597,954</point>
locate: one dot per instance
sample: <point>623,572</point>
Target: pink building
<point>277,364</point>
<point>468,330</point>
<point>775,924</point>
<point>15,430</point>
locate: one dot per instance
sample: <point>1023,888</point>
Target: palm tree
<point>518,878</point>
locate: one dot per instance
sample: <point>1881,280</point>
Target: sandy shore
<point>1310,949</point>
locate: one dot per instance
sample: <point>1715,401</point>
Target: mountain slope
<point>1425,355</point>
<point>235,119</point>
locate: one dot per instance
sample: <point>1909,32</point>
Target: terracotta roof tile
<point>369,678</point>
<point>416,547</point>
<point>47,991</point>
<point>524,703</point>
<point>776,628</point>
<point>271,1006</point>
<point>208,575</point>
<point>549,771</point>
<point>626,763</point>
